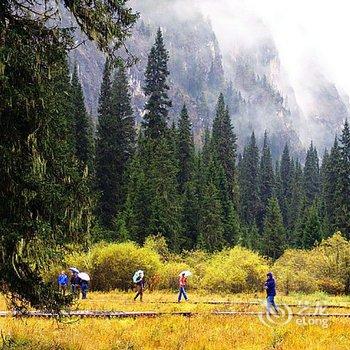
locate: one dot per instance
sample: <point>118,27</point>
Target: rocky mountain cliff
<point>252,78</point>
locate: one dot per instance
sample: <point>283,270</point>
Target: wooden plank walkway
<point>228,302</point>
<point>137,314</point>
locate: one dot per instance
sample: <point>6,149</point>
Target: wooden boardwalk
<point>137,314</point>
<point>248,303</point>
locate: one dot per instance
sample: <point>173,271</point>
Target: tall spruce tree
<point>297,204</point>
<point>156,87</point>
<point>185,149</point>
<point>311,176</point>
<point>137,208</point>
<point>224,142</point>
<point>310,226</point>
<point>249,183</point>
<point>115,145</point>
<point>330,179</point>
<point>342,199</point>
<point>274,234</point>
<point>211,227</point>
<point>266,180</point>
<point>44,196</point>
<point>286,175</point>
<point>187,180</point>
<point>157,159</point>
<point>42,192</point>
<point>84,144</point>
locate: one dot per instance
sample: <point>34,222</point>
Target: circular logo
<point>273,318</point>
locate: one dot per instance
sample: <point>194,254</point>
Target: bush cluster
<point>324,268</point>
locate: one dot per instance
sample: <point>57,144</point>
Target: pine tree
<point>298,202</point>
<point>310,227</point>
<point>83,125</point>
<point>156,87</point>
<point>138,200</point>
<point>342,199</point>
<point>266,179</point>
<point>164,210</point>
<point>122,133</point>
<point>311,175</point>
<point>157,160</point>
<point>187,181</point>
<point>44,195</point>
<point>43,198</point>
<point>274,235</point>
<point>211,227</point>
<point>249,183</point>
<point>185,149</point>
<point>115,145</point>
<point>330,178</point>
<point>326,228</point>
<point>251,238</point>
<point>286,175</point>
<point>224,142</point>
<point>214,172</point>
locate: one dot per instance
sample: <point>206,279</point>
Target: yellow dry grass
<point>175,332</point>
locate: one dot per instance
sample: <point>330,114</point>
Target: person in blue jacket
<point>270,286</point>
<point>62,282</point>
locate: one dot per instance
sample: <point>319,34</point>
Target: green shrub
<point>235,270</point>
<point>113,265</point>
<point>324,268</point>
<point>293,271</point>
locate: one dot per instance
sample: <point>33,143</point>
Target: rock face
<point>252,79</point>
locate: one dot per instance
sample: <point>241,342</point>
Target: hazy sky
<point>302,29</point>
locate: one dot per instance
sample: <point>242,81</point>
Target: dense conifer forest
<point>65,182</point>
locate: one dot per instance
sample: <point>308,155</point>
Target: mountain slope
<point>252,78</point>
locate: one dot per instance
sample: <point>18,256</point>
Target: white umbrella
<point>84,276</point>
<point>137,274</point>
<point>74,269</point>
<point>187,273</point>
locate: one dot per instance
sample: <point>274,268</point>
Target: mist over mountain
<point>241,60</point>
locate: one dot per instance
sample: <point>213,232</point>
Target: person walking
<point>62,282</point>
<point>84,287</point>
<point>270,286</point>
<point>182,285</point>
<point>140,285</point>
<point>75,284</point>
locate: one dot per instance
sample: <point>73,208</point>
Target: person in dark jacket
<point>270,286</point>
<point>62,282</point>
<point>75,284</point>
<point>140,285</point>
<point>84,287</point>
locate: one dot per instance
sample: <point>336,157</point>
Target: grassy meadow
<point>168,332</point>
